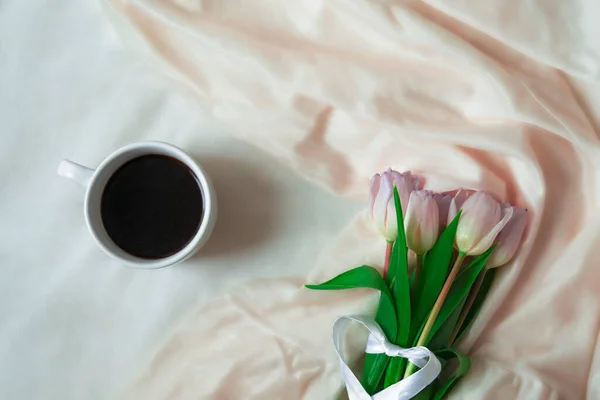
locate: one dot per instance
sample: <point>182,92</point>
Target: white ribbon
<point>407,388</point>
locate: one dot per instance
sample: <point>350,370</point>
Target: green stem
<point>467,307</point>
<point>436,309</point>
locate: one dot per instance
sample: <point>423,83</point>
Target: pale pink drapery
<point>489,94</point>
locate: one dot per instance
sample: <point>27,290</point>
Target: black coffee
<point>152,206</point>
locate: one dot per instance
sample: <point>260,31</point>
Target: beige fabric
<point>497,95</point>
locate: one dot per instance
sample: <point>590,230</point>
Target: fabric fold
<point>467,94</point>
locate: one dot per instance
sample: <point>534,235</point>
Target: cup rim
<point>206,189</point>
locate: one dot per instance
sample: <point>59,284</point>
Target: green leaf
<point>463,366</point>
<point>401,292</point>
<point>373,369</point>
<point>441,339</point>
<point>394,371</point>
<point>375,364</point>
<point>459,290</point>
<point>367,277</point>
<point>478,303</point>
<point>401,289</point>
<point>433,275</point>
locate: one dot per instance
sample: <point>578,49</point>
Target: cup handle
<point>78,173</point>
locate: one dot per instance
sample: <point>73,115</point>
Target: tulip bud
<point>443,202</point>
<point>382,208</point>
<point>508,239</point>
<point>422,222</point>
<point>481,220</point>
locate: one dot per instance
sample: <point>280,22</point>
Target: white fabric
<point>486,94</point>
<point>408,387</point>
<point>489,94</point>
<point>74,324</point>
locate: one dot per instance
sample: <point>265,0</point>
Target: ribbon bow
<point>407,388</point>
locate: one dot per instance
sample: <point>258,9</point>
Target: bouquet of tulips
<point>455,242</point>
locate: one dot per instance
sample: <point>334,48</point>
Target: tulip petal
<point>430,223</point>
<point>405,188</point>
<point>452,211</point>
<point>383,210</point>
<point>411,221</point>
<point>374,190</point>
<point>391,223</point>
<point>422,221</point>
<point>411,211</point>
<point>456,204</point>
<point>509,239</point>
<point>481,213</point>
<point>487,241</point>
<point>443,202</point>
<point>380,206</point>
<point>416,182</point>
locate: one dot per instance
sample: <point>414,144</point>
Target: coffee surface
<point>152,206</point>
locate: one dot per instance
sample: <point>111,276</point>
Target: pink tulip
<point>422,222</point>
<point>443,202</point>
<point>481,220</point>
<point>509,237</point>
<point>383,210</point>
<point>457,202</point>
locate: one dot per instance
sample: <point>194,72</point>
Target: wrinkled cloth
<point>494,95</point>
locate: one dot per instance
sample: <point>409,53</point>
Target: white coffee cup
<point>95,180</point>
